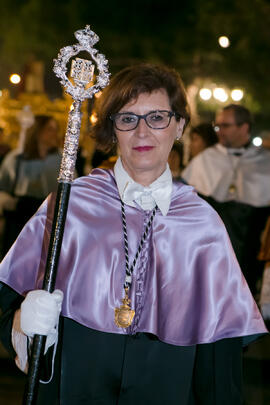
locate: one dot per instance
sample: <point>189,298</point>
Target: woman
<point>201,137</point>
<point>155,308</point>
<point>27,178</point>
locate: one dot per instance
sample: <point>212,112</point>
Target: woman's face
<point>49,134</point>
<point>197,144</point>
<point>144,151</point>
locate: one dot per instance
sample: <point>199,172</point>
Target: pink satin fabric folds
<point>187,286</point>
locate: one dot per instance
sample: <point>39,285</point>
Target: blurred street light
<point>15,78</point>
<point>205,94</point>
<point>237,94</point>
<point>220,94</point>
<point>257,141</point>
<point>224,42</point>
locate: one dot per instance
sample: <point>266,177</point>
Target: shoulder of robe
<point>98,184</point>
<point>186,200</point>
<point>95,177</point>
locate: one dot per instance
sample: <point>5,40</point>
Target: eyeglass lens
<point>222,125</point>
<point>154,119</point>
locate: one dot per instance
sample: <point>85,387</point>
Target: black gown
<point>131,370</point>
<point>244,224</point>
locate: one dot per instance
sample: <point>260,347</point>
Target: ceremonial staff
<point>82,72</point>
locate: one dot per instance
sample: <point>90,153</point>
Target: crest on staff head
<point>82,71</point>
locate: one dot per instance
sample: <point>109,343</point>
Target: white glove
<point>40,312</point>
<point>265,308</point>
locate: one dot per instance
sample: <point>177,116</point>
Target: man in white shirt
<point>233,176</point>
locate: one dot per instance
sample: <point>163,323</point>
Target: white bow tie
<point>148,197</point>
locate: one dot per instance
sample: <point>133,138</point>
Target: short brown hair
<point>241,114</point>
<point>127,85</point>
<point>206,132</point>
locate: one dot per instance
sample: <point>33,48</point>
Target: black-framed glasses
<point>158,119</point>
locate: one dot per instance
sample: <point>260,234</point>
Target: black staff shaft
<point>56,238</point>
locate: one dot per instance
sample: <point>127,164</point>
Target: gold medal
<point>124,315</point>
<point>232,189</point>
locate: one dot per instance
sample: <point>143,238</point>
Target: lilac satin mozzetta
<point>187,286</point>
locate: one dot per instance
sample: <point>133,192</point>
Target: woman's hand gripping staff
<point>38,315</point>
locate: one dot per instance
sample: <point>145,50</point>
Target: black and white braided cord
<point>129,270</point>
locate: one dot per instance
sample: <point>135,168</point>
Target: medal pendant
<point>124,315</point>
<point>232,189</point>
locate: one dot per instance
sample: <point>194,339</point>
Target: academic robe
<point>213,172</point>
<point>190,298</point>
<point>237,185</point>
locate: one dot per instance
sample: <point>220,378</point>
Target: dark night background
<point>182,34</point>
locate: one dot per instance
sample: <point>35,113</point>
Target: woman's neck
<point>144,177</point>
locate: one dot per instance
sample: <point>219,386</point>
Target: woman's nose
<point>142,128</point>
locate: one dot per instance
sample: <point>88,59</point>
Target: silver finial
<point>82,72</point>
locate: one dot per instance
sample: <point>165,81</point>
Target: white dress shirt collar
<point>158,193</point>
<point>235,151</point>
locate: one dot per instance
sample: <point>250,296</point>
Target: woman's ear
<point>180,128</point>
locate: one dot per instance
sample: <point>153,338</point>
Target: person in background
<point>266,142</point>
<point>27,178</point>
<point>264,256</point>
<point>155,309</point>
<point>234,177</point>
<point>4,147</point>
<point>201,137</point>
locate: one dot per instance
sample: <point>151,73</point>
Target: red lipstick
<point>143,148</point>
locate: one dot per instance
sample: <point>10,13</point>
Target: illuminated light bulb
<point>93,118</point>
<point>257,141</point>
<point>220,94</point>
<point>237,94</point>
<point>1,93</point>
<point>14,78</point>
<point>224,42</point>
<point>205,94</point>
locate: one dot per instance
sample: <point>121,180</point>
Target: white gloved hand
<point>40,312</point>
<point>265,308</point>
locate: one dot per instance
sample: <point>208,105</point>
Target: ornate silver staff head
<point>82,72</point>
